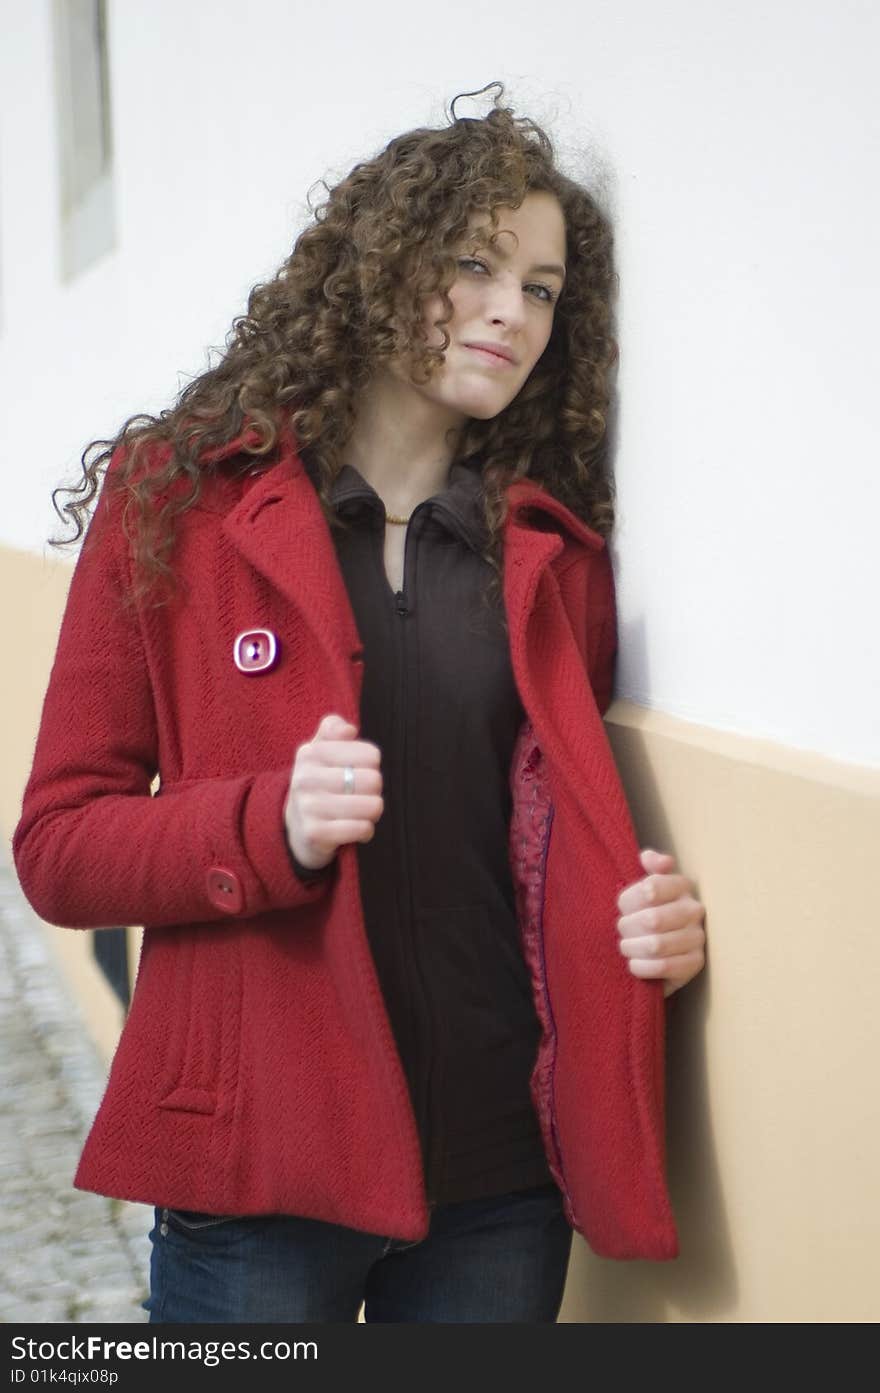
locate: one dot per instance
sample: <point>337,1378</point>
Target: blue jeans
<point>503,1258</point>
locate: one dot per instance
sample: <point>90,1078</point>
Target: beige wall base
<point>774,1110</point>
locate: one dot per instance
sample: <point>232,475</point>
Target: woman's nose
<point>506,301</point>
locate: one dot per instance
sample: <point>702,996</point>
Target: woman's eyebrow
<point>552,267</point>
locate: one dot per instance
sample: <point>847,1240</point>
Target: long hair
<point>349,296</point>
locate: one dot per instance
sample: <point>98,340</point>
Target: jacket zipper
<point>403,612</point>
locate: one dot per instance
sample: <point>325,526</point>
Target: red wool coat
<point>257,1071</point>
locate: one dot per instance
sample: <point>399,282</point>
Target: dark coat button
<point>224,889</point>
<point>255,650</point>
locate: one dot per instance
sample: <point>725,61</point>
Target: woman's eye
<point>549,296</point>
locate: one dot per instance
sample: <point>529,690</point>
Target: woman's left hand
<point>661,925</point>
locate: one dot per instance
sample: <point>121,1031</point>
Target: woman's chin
<point>481,407</point>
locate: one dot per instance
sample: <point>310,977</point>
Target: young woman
<point>398,1022</point>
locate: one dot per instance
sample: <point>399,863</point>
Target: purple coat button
<point>255,650</point>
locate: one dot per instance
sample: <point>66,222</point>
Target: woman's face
<point>503,296</point>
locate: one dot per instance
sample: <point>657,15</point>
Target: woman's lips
<point>488,357</point>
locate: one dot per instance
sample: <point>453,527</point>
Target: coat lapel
<point>278,526</point>
<point>554,684</point>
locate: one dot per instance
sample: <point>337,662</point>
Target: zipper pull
<point>401,607</point>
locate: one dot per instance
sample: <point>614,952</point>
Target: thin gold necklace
<point>391,517</point>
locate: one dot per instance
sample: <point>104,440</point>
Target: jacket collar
<point>460,501</point>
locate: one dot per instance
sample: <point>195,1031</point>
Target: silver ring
<point>348,779</point>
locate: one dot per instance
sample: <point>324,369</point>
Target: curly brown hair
<point>349,296</point>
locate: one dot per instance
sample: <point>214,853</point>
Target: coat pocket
<point>205,996</point>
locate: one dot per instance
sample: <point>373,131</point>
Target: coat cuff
<point>307,873</point>
<point>268,851</point>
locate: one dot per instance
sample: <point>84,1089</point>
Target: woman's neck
<point>402,443</point>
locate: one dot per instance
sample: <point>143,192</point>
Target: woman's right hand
<point>319,816</point>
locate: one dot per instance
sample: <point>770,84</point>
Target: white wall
<point>741,141</point>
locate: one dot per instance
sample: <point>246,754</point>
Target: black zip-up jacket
<point>440,701</point>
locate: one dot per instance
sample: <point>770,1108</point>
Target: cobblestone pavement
<point>65,1255</point>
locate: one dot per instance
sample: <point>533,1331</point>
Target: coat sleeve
<point>602,632</point>
<point>93,847</point>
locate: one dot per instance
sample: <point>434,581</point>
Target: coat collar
<point>278,524</point>
<point>286,474</point>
